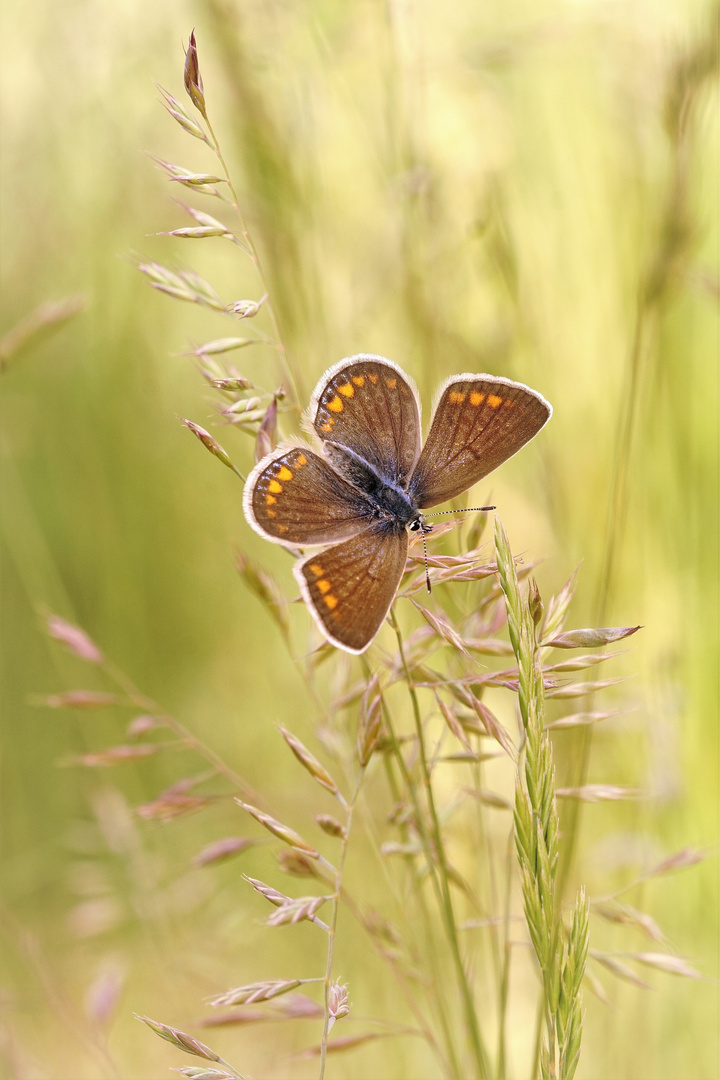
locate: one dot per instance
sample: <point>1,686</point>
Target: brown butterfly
<point>360,499</point>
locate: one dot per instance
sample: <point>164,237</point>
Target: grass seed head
<point>246,309</point>
<point>330,826</point>
<point>283,832</point>
<point>338,1002</point>
<point>369,721</point>
<point>220,850</point>
<point>309,761</point>
<point>208,441</point>
<point>76,640</point>
<point>192,77</point>
<point>295,863</point>
<point>179,1039</point>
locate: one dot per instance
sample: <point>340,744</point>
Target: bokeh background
<point>525,189</point>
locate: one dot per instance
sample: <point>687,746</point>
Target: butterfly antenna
<point>467,510</point>
<point>427,570</point>
<point>437,513</point>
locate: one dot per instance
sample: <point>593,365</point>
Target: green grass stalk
<point>443,877</point>
<point>561,959</point>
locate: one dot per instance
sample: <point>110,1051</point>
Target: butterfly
<point>362,496</point>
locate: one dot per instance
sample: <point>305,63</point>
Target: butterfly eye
<point>420,525</point>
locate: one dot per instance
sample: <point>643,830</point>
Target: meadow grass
<point>445,886</point>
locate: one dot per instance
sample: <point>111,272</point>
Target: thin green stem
<point>408,993</point>
<point>494,929</point>
<point>539,1023</point>
<point>507,955</point>
<point>694,66</point>
<point>550,1022</point>
<point>332,930</point>
<point>252,251</point>
<point>57,997</point>
<point>137,698</point>
<point>614,528</point>
<point>419,893</point>
<point>444,875</point>
<point>230,1069</point>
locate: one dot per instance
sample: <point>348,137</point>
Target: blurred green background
<point>525,189</point>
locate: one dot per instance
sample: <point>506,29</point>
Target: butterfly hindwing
<point>367,406</point>
<point>349,588</point>
<point>479,422</point>
<point>296,498</point>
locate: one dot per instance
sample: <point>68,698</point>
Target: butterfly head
<point>419,524</point>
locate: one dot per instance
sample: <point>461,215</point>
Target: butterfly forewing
<point>479,422</point>
<point>296,498</point>
<point>366,405</point>
<point>349,588</point>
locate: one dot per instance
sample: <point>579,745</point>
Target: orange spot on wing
<point>494,401</point>
<point>347,390</point>
<point>275,487</point>
<point>359,380</point>
<point>391,383</point>
<point>335,405</point>
<point>508,403</point>
<point>300,461</point>
<point>270,499</point>
<point>316,569</point>
<point>280,528</point>
<point>284,473</point>
<point>457,397</point>
<point>373,378</point>
<point>476,398</point>
<point>271,513</point>
<point>330,601</point>
<point>328,425</point>
<point>323,585</point>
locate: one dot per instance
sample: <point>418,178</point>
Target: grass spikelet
<point>37,326</point>
<point>251,993</point>
<point>192,78</point>
<point>192,1046</point>
<point>223,345</point>
<point>569,1009</point>
<point>283,832</point>
<point>369,721</point>
<point>220,850</point>
<point>75,639</point>
<point>266,589</point>
<point>81,699</point>
<point>195,1072</point>
<point>338,1002</point>
<point>180,114</point>
<point>179,1039</point>
<point>310,762</point>
<point>210,444</point>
